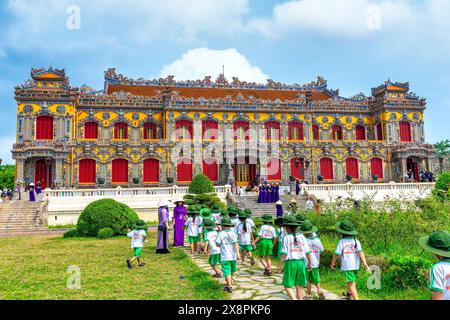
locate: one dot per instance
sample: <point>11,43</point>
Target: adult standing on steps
<point>179,217</point>
<point>162,244</point>
<point>31,192</point>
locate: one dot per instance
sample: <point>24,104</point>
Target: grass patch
<point>63,226</point>
<point>36,268</point>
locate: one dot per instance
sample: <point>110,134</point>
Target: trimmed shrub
<point>71,234</point>
<point>105,233</point>
<point>106,213</point>
<point>201,184</point>
<point>407,272</point>
<point>442,185</point>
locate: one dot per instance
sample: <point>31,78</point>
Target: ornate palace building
<point>127,133</point>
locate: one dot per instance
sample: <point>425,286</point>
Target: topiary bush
<point>106,213</point>
<point>201,184</point>
<point>442,185</point>
<point>105,233</point>
<point>71,234</point>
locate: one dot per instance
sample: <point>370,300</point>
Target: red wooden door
<point>326,168</point>
<point>274,169</point>
<point>184,170</point>
<point>297,166</point>
<point>120,171</point>
<point>351,167</point>
<point>43,173</point>
<point>376,167</point>
<point>86,171</point>
<point>211,169</point>
<point>151,171</point>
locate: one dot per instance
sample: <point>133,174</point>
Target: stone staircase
<point>251,202</point>
<point>20,217</point>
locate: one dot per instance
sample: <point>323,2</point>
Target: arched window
<point>274,169</point>
<point>337,132</point>
<point>297,167</point>
<point>121,131</point>
<point>120,171</point>
<point>150,131</point>
<point>272,130</point>
<point>241,130</point>
<point>326,168</point>
<point>211,169</point>
<point>151,171</point>
<point>405,131</point>
<point>315,130</point>
<point>184,130</point>
<point>376,167</point>
<point>91,130</point>
<point>351,167</point>
<point>86,171</point>
<point>360,132</point>
<point>184,170</point>
<point>44,128</point>
<point>379,131</point>
<point>210,130</point>
<point>295,129</point>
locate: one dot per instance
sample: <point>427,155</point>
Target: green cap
<point>437,243</point>
<point>209,224</point>
<point>267,218</point>
<point>140,225</point>
<point>205,213</point>
<point>242,215</point>
<point>306,227</point>
<point>346,227</point>
<point>215,208</point>
<point>226,222</point>
<point>290,221</point>
<point>300,217</point>
<point>248,212</point>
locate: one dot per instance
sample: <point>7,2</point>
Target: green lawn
<point>36,268</point>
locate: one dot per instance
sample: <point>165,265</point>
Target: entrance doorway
<point>43,172</point>
<point>413,165</point>
<point>244,173</point>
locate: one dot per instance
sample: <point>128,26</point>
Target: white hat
<point>32,184</point>
<point>163,203</point>
<point>179,200</point>
<point>294,201</point>
<point>279,202</point>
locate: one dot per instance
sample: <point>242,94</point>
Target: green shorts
<point>228,267</point>
<point>192,239</point>
<point>214,259</point>
<point>137,252</point>
<point>294,273</point>
<point>265,247</point>
<point>313,276</point>
<point>246,247</point>
<point>351,275</point>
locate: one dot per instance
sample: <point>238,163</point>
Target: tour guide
<point>162,244</point>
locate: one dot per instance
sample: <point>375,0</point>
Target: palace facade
<point>138,132</point>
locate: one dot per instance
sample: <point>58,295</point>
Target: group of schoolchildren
<point>227,235</point>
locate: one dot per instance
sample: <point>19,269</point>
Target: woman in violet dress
<point>162,244</point>
<point>31,192</point>
<point>270,194</point>
<point>179,217</point>
<point>297,186</point>
<point>260,195</point>
<point>279,206</point>
<point>38,187</point>
<point>276,195</point>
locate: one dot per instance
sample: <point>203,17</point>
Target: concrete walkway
<point>251,284</point>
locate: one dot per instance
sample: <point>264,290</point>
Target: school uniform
<point>245,237</point>
<point>235,222</point>
<point>137,241</point>
<point>214,250</point>
<point>296,249</point>
<point>316,250</point>
<point>265,244</point>
<point>194,232</point>
<point>348,249</point>
<point>440,278</point>
<point>228,256</point>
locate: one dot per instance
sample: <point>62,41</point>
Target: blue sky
<point>354,44</point>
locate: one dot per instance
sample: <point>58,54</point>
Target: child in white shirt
<point>245,236</point>
<point>265,240</point>
<point>137,236</point>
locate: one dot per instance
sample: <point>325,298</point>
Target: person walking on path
<point>193,225</point>
<point>214,250</point>
<point>137,235</point>
<point>295,260</point>
<point>279,206</point>
<point>31,192</point>
<point>245,237</point>
<point>438,244</point>
<point>264,242</point>
<point>178,220</point>
<point>350,252</point>
<point>162,243</point>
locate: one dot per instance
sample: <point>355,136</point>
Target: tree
<point>443,148</point>
<point>202,192</point>
<point>7,176</point>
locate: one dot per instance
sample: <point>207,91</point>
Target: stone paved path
<point>251,284</point>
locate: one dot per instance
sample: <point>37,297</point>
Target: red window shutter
<point>121,126</point>
<point>150,131</point>
<point>184,123</point>
<point>376,167</point>
<point>351,167</point>
<point>316,132</point>
<point>241,124</point>
<point>151,171</point>
<point>360,132</point>
<point>44,128</point>
<point>272,126</point>
<point>212,127</point>
<point>184,170</point>
<point>405,131</point>
<point>296,171</point>
<point>90,130</point>
<point>274,169</point>
<point>295,126</point>
<point>379,132</point>
<point>86,171</point>
<point>326,168</point>
<point>337,132</point>
<point>120,171</point>
<point>210,169</point>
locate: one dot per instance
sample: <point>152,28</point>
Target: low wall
<point>376,191</point>
<point>65,206</point>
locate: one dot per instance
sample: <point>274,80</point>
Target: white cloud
<point>200,62</point>
<point>6,145</point>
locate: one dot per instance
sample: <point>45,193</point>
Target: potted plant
<point>170,180</point>
<point>100,180</point>
<point>292,179</point>
<point>136,180</point>
<point>348,178</point>
<point>375,177</point>
<point>320,177</point>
